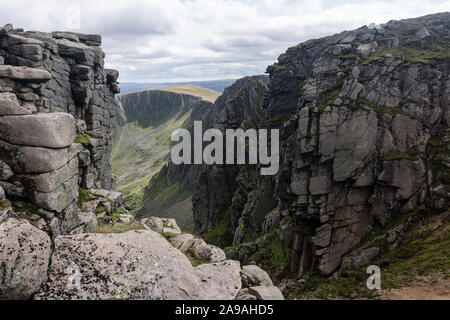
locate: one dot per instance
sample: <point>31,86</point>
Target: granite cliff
<point>64,234</point>
<point>364,172</point>
<point>56,120</point>
<point>363,118</point>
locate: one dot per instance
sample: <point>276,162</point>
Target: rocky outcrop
<point>133,265</point>
<point>143,265</point>
<point>57,110</point>
<point>241,106</point>
<point>24,255</point>
<point>363,118</point>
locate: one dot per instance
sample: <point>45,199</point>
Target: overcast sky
<point>184,40</point>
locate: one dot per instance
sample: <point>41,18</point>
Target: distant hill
<point>216,85</point>
<point>146,120</point>
<point>205,94</point>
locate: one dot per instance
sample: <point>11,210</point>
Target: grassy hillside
<point>206,94</point>
<point>139,153</point>
<point>421,257</point>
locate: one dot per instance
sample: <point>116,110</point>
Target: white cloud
<point>206,39</point>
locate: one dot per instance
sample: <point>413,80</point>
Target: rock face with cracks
<point>57,112</point>
<point>363,118</point>
<point>134,265</point>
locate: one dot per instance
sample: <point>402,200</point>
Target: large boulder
<point>40,160</point>
<point>162,225</point>
<point>133,265</point>
<point>220,280</point>
<point>5,171</point>
<point>9,105</point>
<point>266,293</point>
<point>207,252</point>
<point>51,130</point>
<point>25,73</point>
<point>58,199</point>
<point>24,258</point>
<point>47,182</point>
<point>253,276</point>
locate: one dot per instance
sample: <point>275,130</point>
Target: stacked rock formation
<point>363,118</point>
<point>57,109</point>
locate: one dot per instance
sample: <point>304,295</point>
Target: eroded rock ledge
<point>144,263</point>
<point>57,110</point>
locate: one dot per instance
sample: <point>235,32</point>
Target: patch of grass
<point>379,109</point>
<point>168,191</point>
<point>275,67</point>
<point>168,235</point>
<point>328,101</point>
<point>194,258</point>
<point>351,283</point>
<point>8,162</point>
<point>412,55</point>
<point>118,228</point>
<point>84,139</point>
<point>349,56</point>
<point>101,209</point>
<point>24,207</point>
<point>85,195</point>
<point>412,156</point>
<point>205,94</point>
<point>280,119</point>
<point>221,236</point>
<point>155,187</point>
<point>437,152</point>
<point>271,254</point>
<point>4,204</point>
<point>419,254</point>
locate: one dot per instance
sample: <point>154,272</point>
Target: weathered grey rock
<point>112,75</point>
<point>58,199</point>
<point>125,218</point>
<point>423,33</point>
<point>9,105</point>
<point>24,258</point>
<point>208,253</point>
<point>170,226</point>
<point>12,190</point>
<point>356,138</point>
<point>133,265</point>
<point>48,182</point>
<point>5,171</point>
<point>366,49</point>
<point>91,39</point>
<point>32,52</point>
<point>52,130</point>
<point>25,73</point>
<point>6,28</point>
<point>89,221</point>
<point>66,35</point>
<point>154,224</point>
<point>360,259</point>
<point>39,160</point>
<point>2,194</point>
<point>319,185</point>
<point>244,295</point>
<point>254,276</point>
<point>266,293</point>
<point>221,280</point>
<point>182,242</point>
